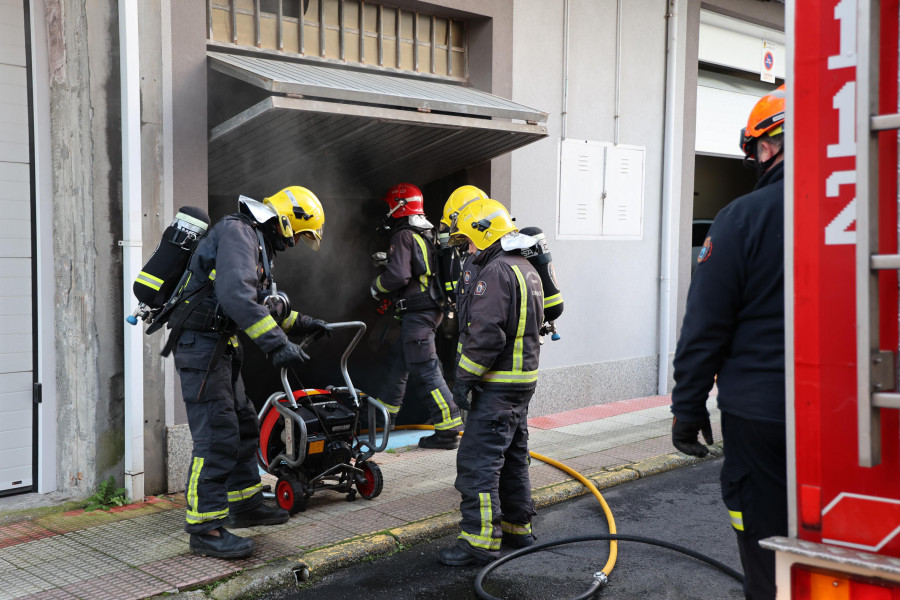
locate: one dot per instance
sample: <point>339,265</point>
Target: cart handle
<point>360,331</point>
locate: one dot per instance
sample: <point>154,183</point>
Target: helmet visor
<point>458,239</point>
<point>456,236</point>
<point>313,238</point>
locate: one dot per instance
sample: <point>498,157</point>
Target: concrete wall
<point>491,57</point>
<point>82,43</point>
<point>183,164</point>
<point>624,300</point>
<point>609,328</point>
<point>691,10</point>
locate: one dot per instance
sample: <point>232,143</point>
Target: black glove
<point>461,396</point>
<point>684,436</point>
<point>316,326</point>
<point>290,355</point>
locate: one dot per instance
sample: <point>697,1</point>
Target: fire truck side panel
<point>839,502</point>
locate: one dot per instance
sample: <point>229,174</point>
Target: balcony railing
<point>345,32</point>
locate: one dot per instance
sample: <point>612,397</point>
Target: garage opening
<point>724,99</point>
<point>348,135</point>
<point>729,83</point>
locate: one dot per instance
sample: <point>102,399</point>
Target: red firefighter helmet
<point>404,199</point>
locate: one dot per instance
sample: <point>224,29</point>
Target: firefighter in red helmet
<point>410,279</point>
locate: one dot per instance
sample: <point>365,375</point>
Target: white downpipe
<point>618,69</point>
<point>670,188</point>
<point>129,56</point>
<point>564,112</point>
<point>565,90</point>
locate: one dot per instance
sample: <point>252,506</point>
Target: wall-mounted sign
<point>767,68</point>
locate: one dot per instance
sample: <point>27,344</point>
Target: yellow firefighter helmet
<point>300,215</point>
<point>460,197</point>
<point>483,221</point>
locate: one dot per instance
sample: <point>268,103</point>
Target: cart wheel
<point>371,482</point>
<point>290,496</point>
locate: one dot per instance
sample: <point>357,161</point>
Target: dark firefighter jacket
<point>500,315</point>
<point>469,271</point>
<point>411,265</point>
<point>230,256</point>
<point>734,320</point>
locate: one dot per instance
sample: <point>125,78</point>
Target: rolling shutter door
<point>16,302</point>
<point>723,103</point>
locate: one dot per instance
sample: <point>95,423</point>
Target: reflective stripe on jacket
<point>500,312</point>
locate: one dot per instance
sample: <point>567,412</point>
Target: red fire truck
<point>841,232</point>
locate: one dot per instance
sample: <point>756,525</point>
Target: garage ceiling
<point>354,133</point>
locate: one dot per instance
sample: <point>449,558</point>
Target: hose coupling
<point>601,577</point>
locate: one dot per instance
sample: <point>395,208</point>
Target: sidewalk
<point>141,551</point>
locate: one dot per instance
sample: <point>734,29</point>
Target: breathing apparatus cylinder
<point>539,257</point>
<point>159,277</point>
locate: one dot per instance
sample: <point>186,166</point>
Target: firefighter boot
<point>262,514</point>
<point>441,440</point>
<point>518,540</point>
<point>464,555</point>
<point>224,545</point>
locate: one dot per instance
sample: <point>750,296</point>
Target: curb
<point>295,571</point>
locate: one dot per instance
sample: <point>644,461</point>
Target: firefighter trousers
<point>414,356</point>
<point>492,469</point>
<point>225,431</point>
<point>754,489</point>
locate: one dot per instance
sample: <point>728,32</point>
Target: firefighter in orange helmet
<point>734,328</point>
<point>410,279</point>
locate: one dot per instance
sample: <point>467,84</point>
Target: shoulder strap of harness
<point>265,257</point>
<point>430,280</point>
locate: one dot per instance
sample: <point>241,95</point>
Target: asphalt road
<point>683,507</point>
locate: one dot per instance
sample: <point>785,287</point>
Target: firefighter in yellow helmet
<point>500,314</point>
<point>451,258</point>
<point>230,288</point>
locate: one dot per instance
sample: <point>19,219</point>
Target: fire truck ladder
<point>876,388</point>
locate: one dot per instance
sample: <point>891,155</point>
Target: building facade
<point>611,125</point>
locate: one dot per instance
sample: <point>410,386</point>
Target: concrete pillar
<point>85,139</point>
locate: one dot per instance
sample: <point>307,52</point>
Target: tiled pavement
<point>141,551</point>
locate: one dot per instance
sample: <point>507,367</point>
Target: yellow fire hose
<point>600,578</point>
<point>613,546</point>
